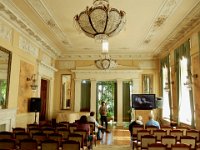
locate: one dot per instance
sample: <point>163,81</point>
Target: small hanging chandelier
<point>100,21</point>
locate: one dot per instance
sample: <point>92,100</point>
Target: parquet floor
<point>117,136</point>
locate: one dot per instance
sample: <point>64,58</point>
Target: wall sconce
<point>33,80</point>
<point>188,82</point>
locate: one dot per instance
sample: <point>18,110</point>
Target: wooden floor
<point>117,136</point>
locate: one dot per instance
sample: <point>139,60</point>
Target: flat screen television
<point>143,101</point>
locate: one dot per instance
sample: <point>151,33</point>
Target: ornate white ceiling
<point>152,26</point>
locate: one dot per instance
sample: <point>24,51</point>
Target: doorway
<point>107,92</point>
<point>44,99</point>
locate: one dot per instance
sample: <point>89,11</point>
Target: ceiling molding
<point>167,8</point>
<point>11,14</point>
<point>185,26</point>
<point>43,12</point>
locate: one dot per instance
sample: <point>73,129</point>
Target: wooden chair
<point>48,130</point>
<point>184,129</point>
<point>135,129</point>
<point>86,142</point>
<point>65,123</point>
<point>6,135</point>
<point>18,129</point>
<point>198,147</point>
<point>157,146</point>
<point>32,125</point>
<point>177,133</point>
<point>56,137</point>
<point>146,140</point>
<point>39,137</point>
<point>159,133</point>
<point>193,133</point>
<point>92,127</point>
<point>21,136</point>
<point>70,145</point>
<point>189,140</point>
<point>168,140</point>
<point>151,128</point>
<point>49,145</point>
<point>7,144</point>
<point>72,127</point>
<point>140,133</point>
<point>34,130</point>
<point>61,126</point>
<point>77,138</point>
<point>166,128</point>
<point>65,133</point>
<point>28,144</point>
<point>180,146</point>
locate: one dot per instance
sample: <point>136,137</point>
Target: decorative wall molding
<point>185,26</point>
<point>28,47</point>
<point>107,75</point>
<point>19,22</point>
<point>168,7</point>
<point>45,69</point>
<point>40,8</point>
<point>65,64</point>
<point>6,32</point>
<point>46,59</point>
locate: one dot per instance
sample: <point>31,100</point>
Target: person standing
<point>103,113</point>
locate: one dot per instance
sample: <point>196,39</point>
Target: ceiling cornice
<point>185,26</point>
<point>17,20</point>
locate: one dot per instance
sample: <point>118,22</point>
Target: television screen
<point>143,101</point>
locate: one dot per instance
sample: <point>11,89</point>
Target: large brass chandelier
<point>100,21</point>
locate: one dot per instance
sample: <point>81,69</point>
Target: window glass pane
<point>184,97</point>
<point>166,86</point>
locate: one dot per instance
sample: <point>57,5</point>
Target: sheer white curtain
<point>166,108</point>
<point>184,97</point>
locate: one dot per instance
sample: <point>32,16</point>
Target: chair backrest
<point>193,133</point>
<point>65,123</point>
<point>159,133</point>
<point>72,127</point>
<point>6,135</point>
<point>48,130</point>
<point>73,145</point>
<point>28,144</point>
<point>92,127</point>
<point>7,144</point>
<point>65,133</point>
<point>136,128</point>
<point>151,128</point>
<point>189,140</point>
<point>77,138</point>
<point>181,146</point>
<point>20,136</point>
<point>146,140</point>
<point>184,129</point>
<point>18,129</point>
<point>34,130</point>
<point>56,137</point>
<point>39,137</point>
<point>49,145</point>
<point>157,146</point>
<point>169,140</point>
<point>167,128</point>
<point>198,147</point>
<point>141,133</point>
<point>177,133</point>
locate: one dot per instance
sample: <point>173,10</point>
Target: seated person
<point>138,121</point>
<point>98,127</point>
<point>152,122</point>
<point>82,124</point>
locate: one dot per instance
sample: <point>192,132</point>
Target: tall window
<point>166,88</point>
<point>184,97</point>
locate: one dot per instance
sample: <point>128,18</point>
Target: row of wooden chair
<point>31,144</point>
<point>146,138</point>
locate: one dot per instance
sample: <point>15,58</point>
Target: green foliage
<point>106,92</point>
<point>3,87</point>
